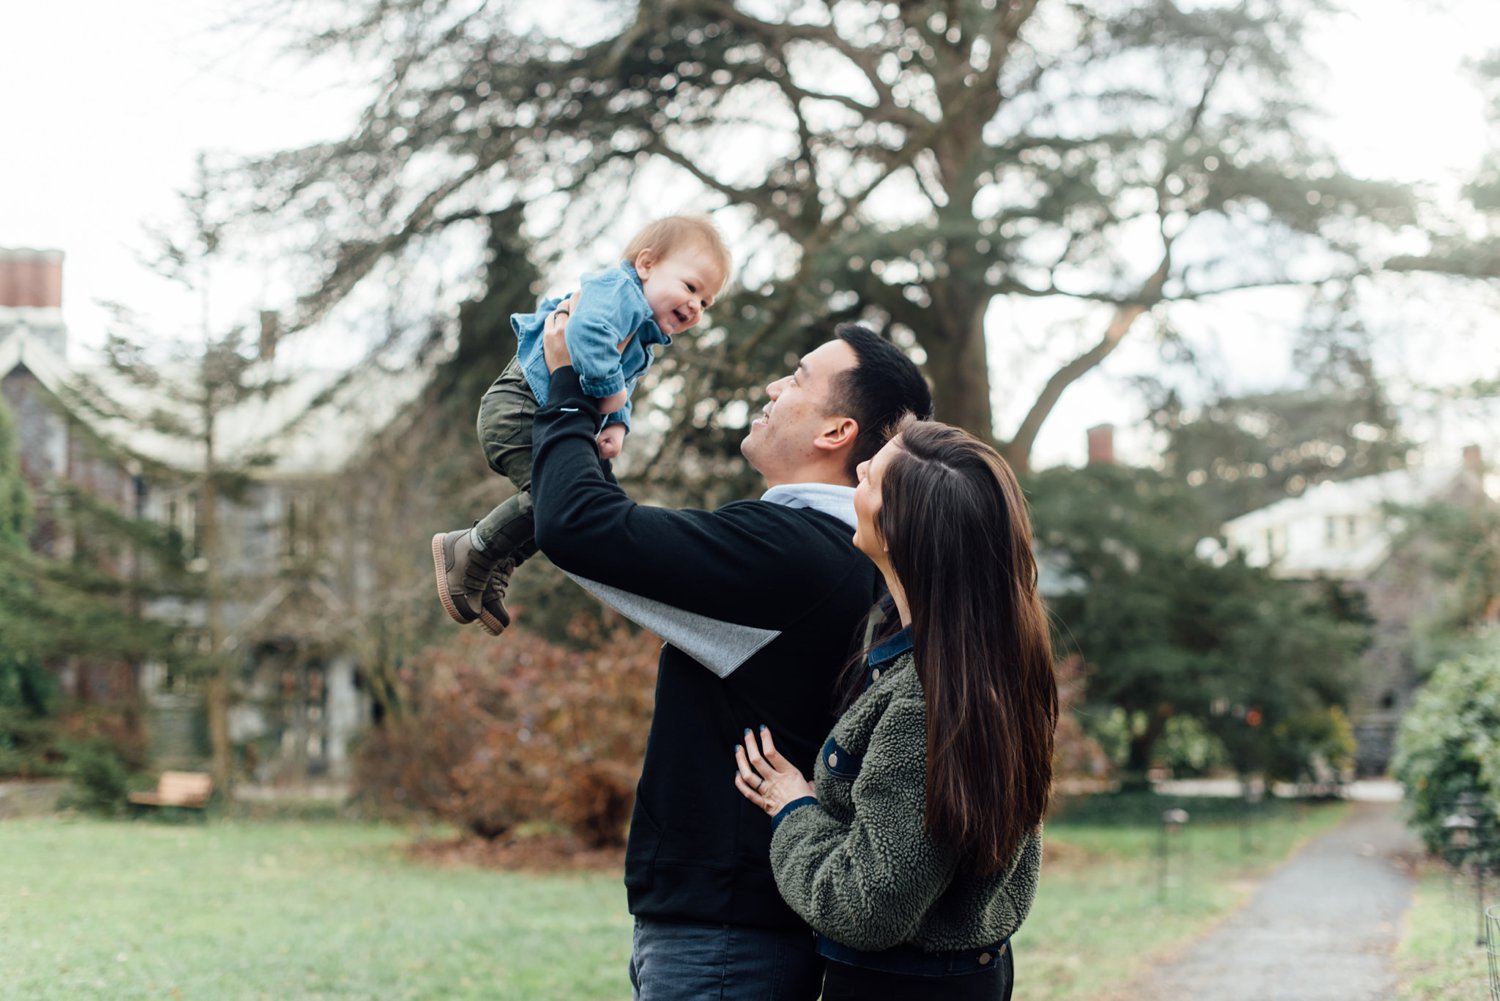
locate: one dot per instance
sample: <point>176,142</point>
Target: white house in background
<point>1346,531</point>
<point>298,705</point>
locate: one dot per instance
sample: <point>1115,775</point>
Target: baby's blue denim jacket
<point>611,307</point>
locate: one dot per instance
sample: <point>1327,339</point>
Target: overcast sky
<point>104,106</point>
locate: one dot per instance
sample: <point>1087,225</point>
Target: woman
<point>918,855</point>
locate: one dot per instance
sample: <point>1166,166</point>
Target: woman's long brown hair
<point>954,520</point>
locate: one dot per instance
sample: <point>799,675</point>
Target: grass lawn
<point>237,909</point>
<point>1438,959</point>
<point>92,909</point>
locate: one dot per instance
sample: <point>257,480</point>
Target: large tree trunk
<point>957,365</point>
<point>1136,773</point>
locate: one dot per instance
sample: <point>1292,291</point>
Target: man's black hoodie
<point>698,850</point>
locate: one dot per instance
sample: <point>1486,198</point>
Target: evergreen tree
<point>1168,634</point>
<point>24,684</point>
<point>81,608</point>
<point>15,499</point>
<point>181,391</point>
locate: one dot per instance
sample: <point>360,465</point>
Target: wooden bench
<point>183,790</point>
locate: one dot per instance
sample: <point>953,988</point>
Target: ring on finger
<point>760,780</point>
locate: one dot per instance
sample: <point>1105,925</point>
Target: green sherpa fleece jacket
<point>856,863</point>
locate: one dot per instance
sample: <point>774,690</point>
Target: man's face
<point>780,443</point>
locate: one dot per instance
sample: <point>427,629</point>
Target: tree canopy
<point>1245,452</point>
<point>907,163</point>
<point>1469,244</point>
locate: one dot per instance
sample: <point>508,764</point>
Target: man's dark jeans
<point>671,961</point>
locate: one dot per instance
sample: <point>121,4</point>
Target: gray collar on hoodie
<point>718,645</point>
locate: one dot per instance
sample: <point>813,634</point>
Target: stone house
<point>299,701</point>
<point>1349,531</point>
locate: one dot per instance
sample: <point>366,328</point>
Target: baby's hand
<point>611,440</point>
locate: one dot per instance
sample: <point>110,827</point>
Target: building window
<point>299,527</point>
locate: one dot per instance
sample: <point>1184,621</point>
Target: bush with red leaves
<point>497,733</point>
<point>1075,755</point>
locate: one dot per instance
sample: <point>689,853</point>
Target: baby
<point>670,273</point>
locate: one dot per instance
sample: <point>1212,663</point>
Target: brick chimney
<point>31,278</point>
<point>1102,445</point>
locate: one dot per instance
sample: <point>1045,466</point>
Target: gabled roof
<point>21,349</point>
<point>314,422</point>
<point>1362,528</point>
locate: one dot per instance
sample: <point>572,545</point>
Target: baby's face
<point>679,287</point>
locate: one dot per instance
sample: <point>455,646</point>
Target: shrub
<point>500,734</point>
<point>116,727</point>
<point>100,779</point>
<point>1075,755</point>
<point>1315,746</point>
<point>28,745</point>
<point>1449,746</point>
<point>34,746</point>
<point>1187,747</point>
<point>1134,808</point>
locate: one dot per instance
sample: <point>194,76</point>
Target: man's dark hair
<point>883,388</point>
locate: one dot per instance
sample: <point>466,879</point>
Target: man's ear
<point>839,432</point>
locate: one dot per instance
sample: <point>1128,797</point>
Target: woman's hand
<point>768,780</point>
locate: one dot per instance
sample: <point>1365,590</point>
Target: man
<point>774,592</point>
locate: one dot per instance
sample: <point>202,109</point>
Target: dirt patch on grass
<point>1062,854</point>
<point>1412,861</point>
<point>534,853</point>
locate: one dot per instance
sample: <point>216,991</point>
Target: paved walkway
<point>1321,928</point>
<point>30,799</point>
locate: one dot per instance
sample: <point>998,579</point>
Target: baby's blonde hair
<point>673,232</point>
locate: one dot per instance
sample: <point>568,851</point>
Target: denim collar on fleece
<point>829,498</point>
<point>890,649</point>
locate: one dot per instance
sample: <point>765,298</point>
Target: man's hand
<point>554,341</point>
<point>611,440</point>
